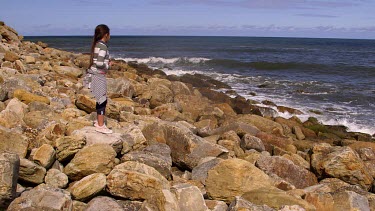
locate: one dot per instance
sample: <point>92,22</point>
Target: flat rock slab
<point>93,137</point>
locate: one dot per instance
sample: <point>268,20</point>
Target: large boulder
<point>85,103</point>
<point>9,167</point>
<point>234,177</point>
<point>133,139</point>
<point>342,163</point>
<point>44,156</point>
<point>137,181</point>
<point>191,106</point>
<point>97,158</point>
<point>157,156</point>
<point>11,56</point>
<point>275,198</point>
<point>10,119</point>
<point>287,170</point>
<point>251,142</point>
<point>43,198</point>
<point>88,186</point>
<point>160,95</point>
<point>200,172</point>
<point>68,146</point>
<point>261,123</point>
<point>93,137</point>
<point>240,128</point>
<point>13,142</point>
<point>270,141</point>
<point>119,87</point>
<point>187,148</point>
<point>31,172</point>
<point>189,197</point>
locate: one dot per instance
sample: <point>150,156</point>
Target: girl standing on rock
<point>99,65</point>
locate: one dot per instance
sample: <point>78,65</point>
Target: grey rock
<point>156,155</point>
<point>251,142</point>
<point>9,167</point>
<point>55,178</point>
<point>43,198</point>
<point>189,197</point>
<point>200,172</point>
<point>240,203</point>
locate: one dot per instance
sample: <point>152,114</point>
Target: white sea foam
<point>154,60</point>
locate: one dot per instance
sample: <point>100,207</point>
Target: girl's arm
<point>102,61</point>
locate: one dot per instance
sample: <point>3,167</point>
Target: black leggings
<point>100,108</point>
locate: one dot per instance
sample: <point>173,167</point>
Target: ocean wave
<point>156,60</point>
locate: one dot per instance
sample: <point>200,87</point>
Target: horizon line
<point>239,36</point>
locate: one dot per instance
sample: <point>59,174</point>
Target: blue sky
<point>291,18</point>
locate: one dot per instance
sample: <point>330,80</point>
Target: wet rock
<point>9,167</point>
<point>234,177</point>
<point>97,158</point>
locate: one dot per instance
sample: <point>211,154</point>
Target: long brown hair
<point>100,31</point>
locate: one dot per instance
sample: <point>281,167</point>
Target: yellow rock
<point>28,97</point>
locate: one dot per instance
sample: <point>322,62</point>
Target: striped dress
<point>98,71</point>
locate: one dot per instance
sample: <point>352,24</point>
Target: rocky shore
<point>177,144</point>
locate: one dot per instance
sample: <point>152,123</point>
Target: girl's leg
<point>100,109</point>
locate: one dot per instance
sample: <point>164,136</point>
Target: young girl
<point>99,65</point>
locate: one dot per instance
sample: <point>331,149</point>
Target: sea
<point>330,79</point>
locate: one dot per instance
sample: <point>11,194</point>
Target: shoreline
<point>177,144</point>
